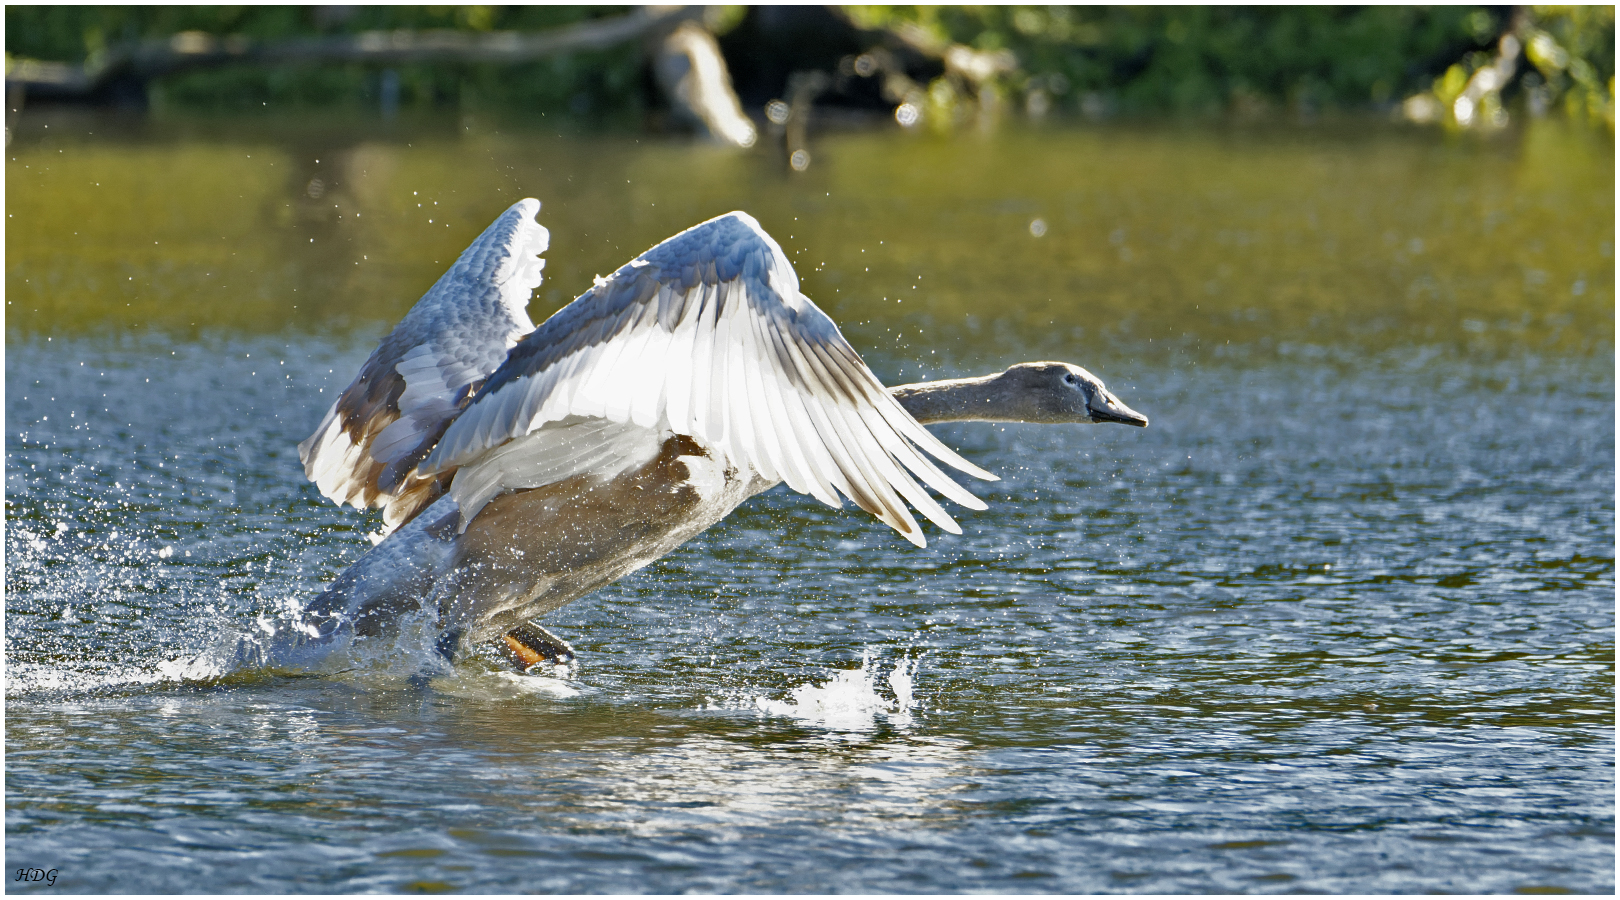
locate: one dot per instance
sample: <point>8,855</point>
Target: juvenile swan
<point>518,468</point>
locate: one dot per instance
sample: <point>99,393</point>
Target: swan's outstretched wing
<point>707,334</point>
<point>424,372</point>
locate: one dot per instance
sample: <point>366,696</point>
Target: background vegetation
<point>1095,61</point>
<point>1206,59</point>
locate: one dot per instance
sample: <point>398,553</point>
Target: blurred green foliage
<point>1552,57</point>
<point>1572,49</point>
<point>1194,59</point>
<point>1205,59</point>
<point>1091,59</point>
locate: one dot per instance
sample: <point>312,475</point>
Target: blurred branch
<point>194,49</point>
<point>802,90</point>
<point>968,72</point>
<point>976,67</point>
<point>693,76</point>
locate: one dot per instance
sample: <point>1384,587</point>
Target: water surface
<point>1340,620</point>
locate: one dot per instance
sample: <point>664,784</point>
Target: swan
<point>519,467</point>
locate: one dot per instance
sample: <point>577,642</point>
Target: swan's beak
<point>1109,409</point>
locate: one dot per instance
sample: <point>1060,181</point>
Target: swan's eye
<point>1068,378</point>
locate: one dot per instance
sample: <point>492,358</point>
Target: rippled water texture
<point>1341,619</point>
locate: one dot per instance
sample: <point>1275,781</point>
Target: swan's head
<point>1060,392</point>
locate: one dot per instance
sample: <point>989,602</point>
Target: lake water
<point>1341,619</point>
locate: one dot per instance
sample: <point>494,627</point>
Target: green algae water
<point>1341,619</point>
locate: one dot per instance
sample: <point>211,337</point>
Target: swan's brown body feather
<point>528,553</point>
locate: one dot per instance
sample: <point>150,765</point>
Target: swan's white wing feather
<point>423,373</point>
<point>708,335</point>
<point>561,450</point>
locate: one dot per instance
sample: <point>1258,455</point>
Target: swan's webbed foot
<point>529,645</point>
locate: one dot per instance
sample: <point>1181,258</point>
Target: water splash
<point>106,605</point>
<point>901,680</point>
<point>471,683</point>
<point>103,606</point>
<point>849,700</point>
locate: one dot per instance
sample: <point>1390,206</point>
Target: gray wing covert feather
<point>707,334</point>
<point>423,372</point>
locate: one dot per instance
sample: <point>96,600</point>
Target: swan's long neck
<point>983,399</point>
